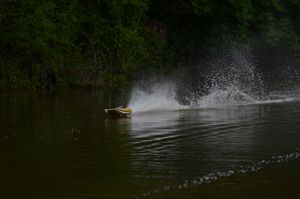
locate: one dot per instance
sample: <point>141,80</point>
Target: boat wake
<point>163,99</point>
<point>234,84</point>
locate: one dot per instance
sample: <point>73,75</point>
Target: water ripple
<point>211,177</point>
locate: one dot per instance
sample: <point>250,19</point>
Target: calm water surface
<point>60,145</point>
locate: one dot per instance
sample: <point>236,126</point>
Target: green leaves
<point>203,7</point>
<point>94,41</point>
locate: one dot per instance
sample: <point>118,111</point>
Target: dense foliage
<point>53,43</point>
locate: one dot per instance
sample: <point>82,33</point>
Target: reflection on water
<point>60,145</point>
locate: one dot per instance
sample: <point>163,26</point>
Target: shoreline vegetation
<point>109,43</point>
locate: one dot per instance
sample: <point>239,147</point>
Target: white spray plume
<point>158,97</point>
<point>227,84</point>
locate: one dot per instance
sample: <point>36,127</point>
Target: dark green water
<point>60,145</point>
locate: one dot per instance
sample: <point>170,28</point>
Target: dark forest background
<point>108,43</point>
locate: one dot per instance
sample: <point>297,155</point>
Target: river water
<point>61,145</point>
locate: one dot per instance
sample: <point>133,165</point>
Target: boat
<point>118,112</point>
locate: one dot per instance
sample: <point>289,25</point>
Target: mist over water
<point>230,81</point>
